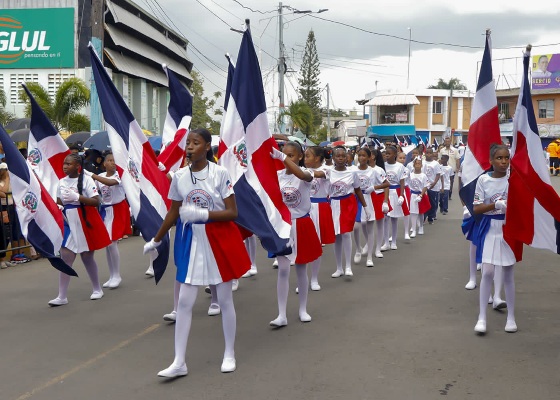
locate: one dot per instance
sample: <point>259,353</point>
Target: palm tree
<point>301,116</point>
<point>453,84</point>
<point>63,112</point>
<point>5,116</point>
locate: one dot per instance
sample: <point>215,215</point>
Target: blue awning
<point>392,129</point>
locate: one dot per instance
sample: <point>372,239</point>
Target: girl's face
<point>390,155</point>
<point>311,160</point>
<point>349,158</point>
<point>401,158</point>
<point>415,154</point>
<point>417,166</point>
<point>339,158</point>
<point>197,147</point>
<point>71,167</point>
<point>363,157</point>
<point>292,153</point>
<point>500,161</point>
<point>109,163</point>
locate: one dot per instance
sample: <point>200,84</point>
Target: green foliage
<point>309,90</point>
<point>5,115</point>
<point>203,105</point>
<point>454,83</point>
<point>301,116</point>
<point>320,134</point>
<point>334,113</point>
<point>63,111</point>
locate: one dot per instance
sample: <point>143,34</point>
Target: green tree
<point>309,90</point>
<point>453,83</point>
<point>301,115</point>
<point>63,110</point>
<point>5,115</point>
<point>333,113</point>
<point>320,135</point>
<point>203,106</point>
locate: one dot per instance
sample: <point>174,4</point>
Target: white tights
<point>91,267</point>
<point>486,288</point>
<point>394,227</point>
<point>113,260</point>
<point>406,220</point>
<point>472,264</point>
<point>367,229</point>
<point>251,246</point>
<point>283,287</point>
<point>187,298</point>
<point>343,242</point>
<point>416,220</point>
<point>315,266</point>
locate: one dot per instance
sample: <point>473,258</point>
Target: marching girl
<point>321,212</point>
<point>115,213</point>
<point>401,157</point>
<point>344,182</point>
<point>419,201</point>
<point>371,181</point>
<point>395,176</point>
<point>84,231</point>
<point>208,247</point>
<point>490,201</point>
<point>295,185</point>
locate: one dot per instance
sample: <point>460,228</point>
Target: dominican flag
<point>484,129</point>
<point>245,147</point>
<point>46,150</point>
<point>419,140</point>
<point>533,206</point>
<point>177,121</point>
<point>404,142</point>
<point>435,146</point>
<point>231,137</point>
<point>145,185</point>
<point>40,219</point>
<point>397,140</point>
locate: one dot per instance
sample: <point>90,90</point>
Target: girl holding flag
<point>396,177</point>
<point>84,231</point>
<point>209,249</point>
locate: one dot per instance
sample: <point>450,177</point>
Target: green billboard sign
<point>37,38</point>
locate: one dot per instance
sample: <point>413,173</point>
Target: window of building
<point>55,80</point>
<point>437,107</point>
<point>15,85</point>
<point>504,111</point>
<point>546,108</point>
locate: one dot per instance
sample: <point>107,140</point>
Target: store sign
<point>37,38</point>
<point>401,117</point>
<point>545,72</point>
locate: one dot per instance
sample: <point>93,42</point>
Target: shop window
<point>546,108</point>
<point>437,107</point>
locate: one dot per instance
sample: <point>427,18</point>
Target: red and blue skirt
<point>344,210</point>
<point>117,219</point>
<point>321,215</point>
<point>84,233</point>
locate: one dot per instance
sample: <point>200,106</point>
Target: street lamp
<point>409,40</point>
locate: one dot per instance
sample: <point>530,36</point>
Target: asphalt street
<point>400,330</point>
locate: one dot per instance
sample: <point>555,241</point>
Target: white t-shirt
<point>111,194</point>
<point>432,169</point>
<point>395,172</point>
<point>365,176</point>
<point>320,186</point>
<point>213,185</point>
<point>89,189</point>
<point>418,181</point>
<point>343,182</point>
<point>295,193</point>
<point>446,172</point>
<point>379,177</point>
<point>489,189</point>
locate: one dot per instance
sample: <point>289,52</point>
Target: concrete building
<point>52,47</point>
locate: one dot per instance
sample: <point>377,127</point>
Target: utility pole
<point>450,110</point>
<point>97,30</point>
<point>328,114</point>
<point>281,67</point>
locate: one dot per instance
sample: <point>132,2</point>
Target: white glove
<point>69,196</point>
<point>151,246</point>
<point>161,167</point>
<point>385,208</point>
<point>400,201</point>
<point>60,207</point>
<point>418,198</point>
<point>87,173</point>
<point>500,205</point>
<point>369,190</point>
<point>466,213</point>
<point>191,213</point>
<point>277,154</point>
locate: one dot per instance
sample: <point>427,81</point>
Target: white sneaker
<point>96,295</point>
<point>246,274</point>
<point>171,317</point>
<point>480,326</point>
<point>297,290</point>
<point>470,285</point>
<point>253,270</point>
<point>337,274</point>
<point>235,285</point>
<point>385,247</point>
<point>275,263</point>
<point>348,272</point>
<point>406,237</point>
<point>421,230</point>
<point>214,309</point>
<point>114,283</point>
<point>412,234</point>
<point>390,238</point>
<point>378,254</point>
<point>511,327</point>
<point>498,304</point>
<point>173,371</point>
<point>106,284</point>
<point>315,286</point>
<point>364,250</point>
<point>58,302</point>
<point>393,246</point>
<point>357,257</point>
<point>369,263</point>
<point>228,365</point>
<point>478,267</point>
<point>304,317</point>
<point>278,322</point>
<point>490,300</point>
<point>150,271</point>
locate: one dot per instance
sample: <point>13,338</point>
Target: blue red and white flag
<point>40,219</point>
<point>404,141</point>
<point>419,140</point>
<point>397,140</point>
<point>245,147</point>
<point>533,205</point>
<point>46,150</point>
<point>146,187</point>
<point>435,145</point>
<point>177,121</point>
<point>484,129</point>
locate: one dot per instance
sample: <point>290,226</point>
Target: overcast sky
<point>352,61</point>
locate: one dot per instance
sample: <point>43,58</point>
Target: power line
<point>213,13</point>
<point>255,11</point>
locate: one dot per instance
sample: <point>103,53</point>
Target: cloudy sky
<point>353,60</point>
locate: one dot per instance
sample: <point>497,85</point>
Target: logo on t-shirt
<point>392,178</point>
<point>339,189</point>
<point>201,198</point>
<point>314,187</point>
<point>292,196</point>
<point>364,181</point>
<point>106,194</point>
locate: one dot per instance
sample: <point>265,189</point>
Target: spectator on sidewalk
<point>454,160</point>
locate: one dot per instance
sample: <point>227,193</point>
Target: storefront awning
<point>393,129</point>
<point>395,100</point>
